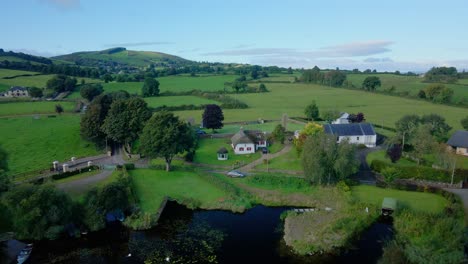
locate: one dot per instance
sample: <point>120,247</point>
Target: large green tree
<point>35,92</point>
<point>213,117</point>
<point>371,83</point>
<point>150,87</point>
<point>438,127</point>
<point>165,136</point>
<point>89,91</point>
<point>38,211</point>
<point>334,78</point>
<point>405,127</point>
<point>325,161</point>
<point>312,111</point>
<point>61,83</point>
<point>423,142</point>
<point>125,120</point>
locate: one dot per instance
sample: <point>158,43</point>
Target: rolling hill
<point>122,57</point>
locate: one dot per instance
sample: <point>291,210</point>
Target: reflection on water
<point>199,236</point>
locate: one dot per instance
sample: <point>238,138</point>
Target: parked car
<point>236,174</point>
<point>200,132</point>
<point>264,150</point>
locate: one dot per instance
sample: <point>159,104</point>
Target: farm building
<point>459,142</point>
<point>343,119</point>
<point>17,91</point>
<point>359,133</point>
<point>246,142</point>
<point>222,154</point>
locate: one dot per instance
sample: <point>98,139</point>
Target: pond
<point>215,236</point>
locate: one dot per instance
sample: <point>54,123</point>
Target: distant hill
<point>116,57</point>
<point>22,57</point>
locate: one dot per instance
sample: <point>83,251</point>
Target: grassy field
<point>35,81</point>
<point>26,108</point>
<point>417,201</point>
<point>177,100</point>
<point>411,84</point>
<point>293,98</point>
<point>152,186</point>
<point>207,148</point>
<point>33,144</point>
<point>11,73</point>
<point>267,127</point>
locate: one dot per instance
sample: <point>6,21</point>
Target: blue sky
<point>393,35</point>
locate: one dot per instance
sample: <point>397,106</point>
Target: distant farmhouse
<point>246,142</point>
<point>459,142</point>
<point>16,91</point>
<point>343,119</point>
<point>357,133</point>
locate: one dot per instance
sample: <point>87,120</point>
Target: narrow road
<point>84,183</point>
<point>365,174</point>
<point>287,147</point>
<point>463,194</point>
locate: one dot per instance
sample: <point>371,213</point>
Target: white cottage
<point>357,133</point>
<point>17,91</point>
<point>247,142</point>
<point>459,142</point>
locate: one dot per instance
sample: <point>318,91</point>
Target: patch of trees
<point>312,111</point>
<point>441,75</point>
<point>61,83</point>
<point>89,91</point>
<point>437,93</point>
<point>165,136</point>
<point>35,92</point>
<point>333,78</point>
<point>325,161</point>
<point>356,118</point>
<point>371,83</point>
<point>310,130</point>
<point>66,69</point>
<point>212,117</point>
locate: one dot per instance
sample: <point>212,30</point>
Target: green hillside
<point>124,57</point>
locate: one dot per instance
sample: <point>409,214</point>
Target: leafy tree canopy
<point>150,87</point>
<point>371,83</point>
<point>311,111</point>
<point>213,117</point>
<point>89,91</point>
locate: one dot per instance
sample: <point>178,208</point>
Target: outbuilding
<point>356,133</point>
<point>459,142</point>
<point>223,154</point>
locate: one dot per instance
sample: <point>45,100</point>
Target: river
<point>186,235</point>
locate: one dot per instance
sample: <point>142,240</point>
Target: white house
<point>357,133</point>
<point>16,91</point>
<point>247,142</point>
<point>343,119</point>
<point>459,142</point>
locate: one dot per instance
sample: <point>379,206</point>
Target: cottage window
<point>241,149</point>
<point>249,148</point>
<point>357,138</point>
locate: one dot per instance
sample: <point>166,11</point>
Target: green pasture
<point>35,81</point>
<point>288,161</point>
<point>267,126</point>
<point>416,201</point>
<point>33,144</point>
<point>11,73</point>
<point>177,100</point>
<point>293,98</point>
<point>39,107</point>
<point>151,186</point>
<point>411,84</point>
<point>207,149</point>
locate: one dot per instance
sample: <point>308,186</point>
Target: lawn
<point>177,100</point>
<point>417,201</point>
<point>293,98</point>
<point>11,73</point>
<point>40,107</point>
<point>287,161</point>
<point>207,149</point>
<point>151,186</point>
<point>33,144</point>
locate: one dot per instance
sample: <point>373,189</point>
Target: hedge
<point>421,172</point>
<point>72,173</point>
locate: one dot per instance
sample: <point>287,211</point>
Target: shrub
<point>129,166</point>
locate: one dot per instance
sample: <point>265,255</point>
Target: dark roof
<point>241,138</point>
<point>18,88</point>
<point>459,139</point>
<point>222,150</point>
<point>357,129</point>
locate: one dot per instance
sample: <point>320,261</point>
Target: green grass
<point>287,161</point>
<point>411,84</point>
<point>35,81</point>
<point>267,127</point>
<point>177,100</point>
<point>207,148</point>
<point>41,107</point>
<point>11,73</point>
<point>33,144</point>
<point>293,98</point>
<point>151,186</point>
<point>417,201</point>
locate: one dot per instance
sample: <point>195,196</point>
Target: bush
<point>129,166</point>
<point>67,174</point>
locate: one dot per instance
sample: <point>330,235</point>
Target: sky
<point>409,35</point>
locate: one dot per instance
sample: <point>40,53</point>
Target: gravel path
<point>268,156</point>
<point>84,183</point>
